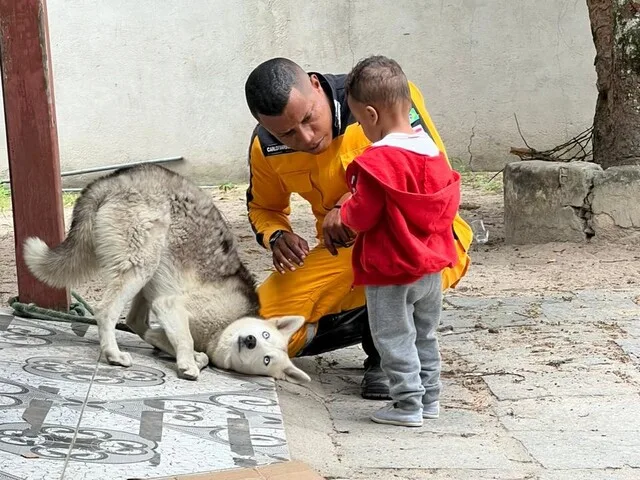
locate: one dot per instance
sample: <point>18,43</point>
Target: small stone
<point>469,206</point>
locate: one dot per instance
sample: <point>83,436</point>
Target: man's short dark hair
<point>269,86</point>
<point>378,80</point>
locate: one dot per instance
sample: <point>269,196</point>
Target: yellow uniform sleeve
<point>418,100</point>
<point>268,204</point>
<point>462,230</point>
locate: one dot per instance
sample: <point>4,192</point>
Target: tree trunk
<point>615,26</point>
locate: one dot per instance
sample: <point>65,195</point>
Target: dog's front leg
<point>174,319</point>
<point>158,338</point>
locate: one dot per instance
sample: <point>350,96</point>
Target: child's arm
<point>363,209</point>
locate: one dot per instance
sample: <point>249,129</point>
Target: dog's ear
<point>289,324</point>
<point>294,375</point>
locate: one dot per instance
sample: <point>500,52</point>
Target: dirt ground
<point>497,269</point>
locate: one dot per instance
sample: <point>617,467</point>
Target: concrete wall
<point>151,78</point>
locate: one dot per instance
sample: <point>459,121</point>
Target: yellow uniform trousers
<point>323,286</point>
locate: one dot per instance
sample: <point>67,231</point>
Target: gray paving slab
<point>349,416</point>
<point>625,473</point>
<point>427,450</point>
<point>614,413</point>
<point>582,450</point>
<point>536,385</point>
<point>631,346</point>
<point>552,393</point>
<point>631,327</point>
<point>437,474</point>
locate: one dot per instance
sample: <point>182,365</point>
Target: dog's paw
<point>191,372</point>
<point>202,360</point>
<point>119,358</point>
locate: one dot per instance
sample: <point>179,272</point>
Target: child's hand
<point>334,232</point>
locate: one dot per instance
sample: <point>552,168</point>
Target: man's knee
<point>338,330</point>
<point>279,296</point>
<point>321,286</point>
<point>451,276</point>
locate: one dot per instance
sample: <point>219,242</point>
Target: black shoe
<point>375,384</point>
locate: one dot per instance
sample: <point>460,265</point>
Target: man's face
<point>306,122</point>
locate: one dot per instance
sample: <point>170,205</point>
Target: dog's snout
<point>250,341</point>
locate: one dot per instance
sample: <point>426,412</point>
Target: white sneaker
<point>392,415</point>
<point>431,410</point>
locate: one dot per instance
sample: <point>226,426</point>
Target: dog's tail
<point>73,261</point>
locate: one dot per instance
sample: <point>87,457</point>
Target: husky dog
<point>160,243</point>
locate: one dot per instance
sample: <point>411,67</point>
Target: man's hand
<point>289,250</point>
<point>333,230</point>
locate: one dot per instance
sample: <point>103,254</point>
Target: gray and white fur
<point>160,242</point>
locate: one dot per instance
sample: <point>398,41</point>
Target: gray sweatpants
<point>403,320</point>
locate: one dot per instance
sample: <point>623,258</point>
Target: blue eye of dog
<point>267,360</point>
<point>265,334</point>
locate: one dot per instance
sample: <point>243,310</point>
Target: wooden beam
<point>32,139</point>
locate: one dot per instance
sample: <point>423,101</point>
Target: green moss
<point>68,199</point>
<point>489,182</point>
<point>483,181</point>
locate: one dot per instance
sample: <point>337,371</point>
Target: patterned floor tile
<point>141,421</point>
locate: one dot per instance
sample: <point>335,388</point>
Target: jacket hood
<point>409,185</point>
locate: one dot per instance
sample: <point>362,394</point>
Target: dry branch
<point>578,149</point>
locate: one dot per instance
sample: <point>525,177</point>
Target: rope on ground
<point>77,312</point>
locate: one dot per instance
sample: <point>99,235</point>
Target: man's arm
<point>268,205</point>
<point>362,211</point>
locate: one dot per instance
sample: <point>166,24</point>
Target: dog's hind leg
<point>174,319</point>
<point>201,359</point>
<point>118,293</point>
<point>138,321</point>
<point>138,316</point>
<point>129,238</point>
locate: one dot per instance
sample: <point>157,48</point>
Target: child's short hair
<point>378,80</point>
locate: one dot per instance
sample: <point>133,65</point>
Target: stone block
<point>547,201</point>
<point>615,204</point>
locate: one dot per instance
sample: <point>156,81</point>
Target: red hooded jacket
<point>404,199</point>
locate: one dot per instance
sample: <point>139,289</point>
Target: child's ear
<point>373,114</point>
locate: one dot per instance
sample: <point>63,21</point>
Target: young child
<point>404,199</point>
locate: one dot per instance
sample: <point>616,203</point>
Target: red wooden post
<point>32,139</point>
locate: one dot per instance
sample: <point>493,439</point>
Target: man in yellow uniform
<point>303,143</point>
